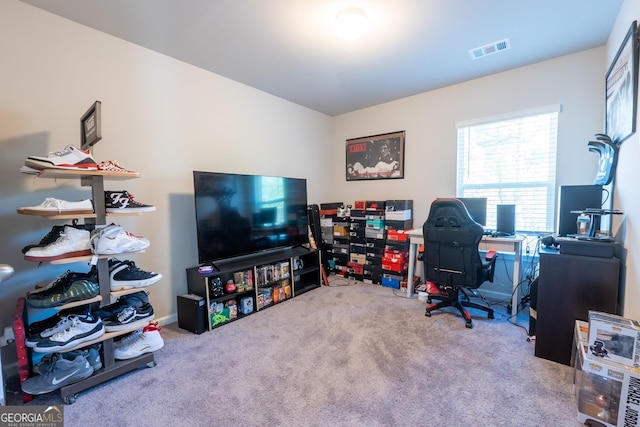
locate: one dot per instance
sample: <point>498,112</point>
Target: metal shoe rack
<point>111,368</point>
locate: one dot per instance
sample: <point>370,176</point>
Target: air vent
<point>490,49</point>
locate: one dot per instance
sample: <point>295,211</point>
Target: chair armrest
<point>491,254</point>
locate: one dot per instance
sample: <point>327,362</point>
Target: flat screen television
<point>477,208</point>
<point>240,215</point>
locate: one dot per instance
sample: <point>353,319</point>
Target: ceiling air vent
<point>490,49</point>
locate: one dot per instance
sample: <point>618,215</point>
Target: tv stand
<point>262,280</point>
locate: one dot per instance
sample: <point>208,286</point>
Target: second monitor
<point>477,208</point>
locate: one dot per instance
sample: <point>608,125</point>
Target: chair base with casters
<point>456,297</point>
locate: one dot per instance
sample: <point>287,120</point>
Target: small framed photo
<point>376,157</point>
<point>621,89</point>
<point>90,126</point>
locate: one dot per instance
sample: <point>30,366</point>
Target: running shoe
<point>146,341</point>
<point>123,201</point>
<point>110,311</point>
<point>113,239</point>
<point>68,158</point>
<point>82,328</point>
<point>52,206</point>
<point>71,243</point>
<point>58,374</point>
<point>126,275</point>
<point>92,354</point>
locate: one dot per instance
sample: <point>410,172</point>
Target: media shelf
<point>265,279</point>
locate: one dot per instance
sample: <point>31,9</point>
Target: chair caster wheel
<point>469,325</point>
<point>427,313</point>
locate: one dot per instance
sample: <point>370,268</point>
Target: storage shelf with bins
<point>111,368</point>
<point>266,279</point>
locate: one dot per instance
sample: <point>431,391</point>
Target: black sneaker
<point>75,287</point>
<point>111,311</point>
<point>54,234</point>
<point>130,317</point>
<point>126,275</point>
<point>63,323</point>
<point>122,201</point>
<point>81,329</point>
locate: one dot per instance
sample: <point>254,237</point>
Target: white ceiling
<point>288,48</point>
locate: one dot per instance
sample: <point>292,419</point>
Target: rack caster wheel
<point>69,400</point>
<point>427,313</point>
<point>151,364</point>
<point>469,325</point>
<point>490,316</point>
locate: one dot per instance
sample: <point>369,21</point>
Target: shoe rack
<point>111,368</point>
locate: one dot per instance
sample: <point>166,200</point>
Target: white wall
<point>627,177</point>
<point>161,117</point>
<point>575,81</point>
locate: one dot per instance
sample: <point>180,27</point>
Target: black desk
<point>568,287</point>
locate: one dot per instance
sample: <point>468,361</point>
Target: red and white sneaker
<point>140,342</point>
<point>113,166</point>
<point>68,158</point>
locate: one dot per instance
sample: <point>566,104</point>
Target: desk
<point>500,244</point>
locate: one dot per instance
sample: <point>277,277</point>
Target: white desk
<point>499,244</point>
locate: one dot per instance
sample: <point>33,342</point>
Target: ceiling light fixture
<point>351,23</point>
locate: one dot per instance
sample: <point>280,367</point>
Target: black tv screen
<point>243,214</point>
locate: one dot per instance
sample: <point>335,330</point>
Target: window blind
<point>511,159</point>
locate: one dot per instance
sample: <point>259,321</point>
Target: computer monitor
<point>576,198</point>
<point>477,207</point>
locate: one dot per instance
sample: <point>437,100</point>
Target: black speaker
<point>576,198</point>
<point>533,307</point>
<point>191,313</point>
<point>506,219</point>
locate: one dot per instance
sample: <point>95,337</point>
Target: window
<point>511,159</point>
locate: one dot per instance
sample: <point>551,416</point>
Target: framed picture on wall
<point>621,89</point>
<point>376,157</point>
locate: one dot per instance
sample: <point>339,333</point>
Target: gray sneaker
<point>92,354</point>
<point>59,374</point>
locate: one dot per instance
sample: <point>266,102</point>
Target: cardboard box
<point>614,338</point>
<point>398,215</point>
<point>607,392</point>
<point>398,205</point>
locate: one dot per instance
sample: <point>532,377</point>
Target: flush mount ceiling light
<point>351,23</point>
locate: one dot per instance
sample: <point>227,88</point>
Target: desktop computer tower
<point>575,198</point>
<point>191,313</point>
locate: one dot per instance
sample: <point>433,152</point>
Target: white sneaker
<point>68,158</point>
<point>148,341</point>
<point>73,242</point>
<point>113,239</point>
<point>55,206</point>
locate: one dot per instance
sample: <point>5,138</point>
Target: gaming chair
<point>452,261</point>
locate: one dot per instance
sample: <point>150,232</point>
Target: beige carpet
<point>353,355</point>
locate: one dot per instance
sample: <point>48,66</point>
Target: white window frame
<point>539,177</point>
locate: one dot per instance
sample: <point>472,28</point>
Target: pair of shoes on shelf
<point>59,372</point>
<point>72,242</point>
<point>141,341</point>
<point>73,331</point>
<point>113,239</point>
<point>67,288</point>
<point>69,158</point>
<point>115,202</point>
<point>92,354</point>
<point>126,275</point>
